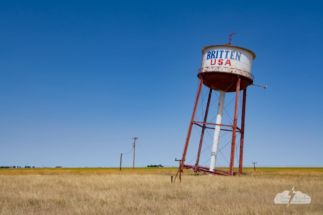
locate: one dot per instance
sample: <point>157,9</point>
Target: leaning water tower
<point>227,69</point>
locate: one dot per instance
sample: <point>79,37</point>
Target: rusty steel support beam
<point>222,129</point>
<point>203,129</point>
<point>207,123</point>
<point>242,129</point>
<point>206,170</point>
<point>234,127</point>
<point>191,125</point>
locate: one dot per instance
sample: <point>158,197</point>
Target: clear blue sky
<point>79,79</point>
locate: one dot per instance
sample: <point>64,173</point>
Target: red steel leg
<point>234,127</point>
<point>242,129</point>
<point>203,129</point>
<point>191,123</point>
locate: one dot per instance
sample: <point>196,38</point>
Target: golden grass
<point>287,171</point>
<point>55,171</point>
<point>149,191</point>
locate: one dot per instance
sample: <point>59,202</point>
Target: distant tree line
<point>155,165</point>
<point>14,167</point>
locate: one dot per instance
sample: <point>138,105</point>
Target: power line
<point>144,153</point>
<point>61,141</point>
<point>127,152</point>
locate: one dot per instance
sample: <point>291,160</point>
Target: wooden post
<point>134,149</point>
<point>120,161</point>
<point>254,166</point>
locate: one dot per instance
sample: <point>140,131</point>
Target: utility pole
<point>254,165</point>
<point>134,149</point>
<point>120,161</point>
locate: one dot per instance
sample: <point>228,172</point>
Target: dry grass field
<point>149,191</point>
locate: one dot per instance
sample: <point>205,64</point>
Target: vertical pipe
<point>120,161</point>
<point>203,129</point>
<point>217,130</point>
<point>198,93</point>
<point>242,129</point>
<point>234,132</point>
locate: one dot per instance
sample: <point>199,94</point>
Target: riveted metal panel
<point>227,59</point>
